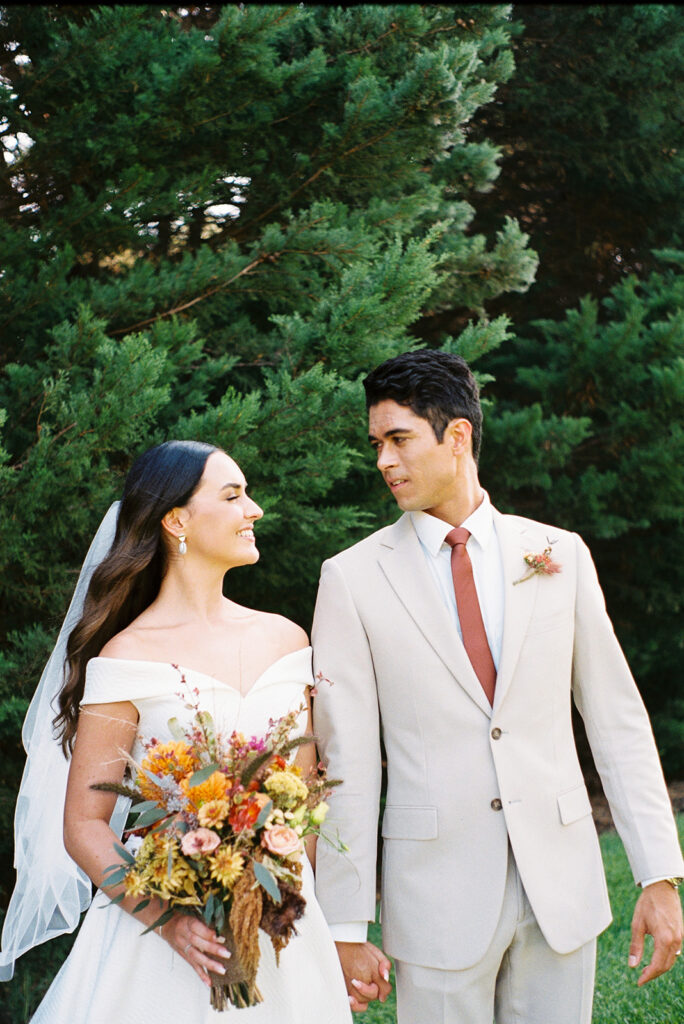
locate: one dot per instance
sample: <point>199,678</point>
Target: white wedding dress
<point>113,975</point>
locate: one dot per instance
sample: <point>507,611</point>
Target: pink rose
<point>202,840</point>
<point>281,840</point>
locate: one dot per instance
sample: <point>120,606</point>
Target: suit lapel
<point>403,563</point>
<point>514,542</point>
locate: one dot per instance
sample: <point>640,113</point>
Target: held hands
<point>658,913</point>
<point>196,943</point>
<point>366,973</point>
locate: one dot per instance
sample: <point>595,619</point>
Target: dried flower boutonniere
<point>540,565</point>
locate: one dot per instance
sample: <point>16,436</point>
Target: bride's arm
<point>104,737</point>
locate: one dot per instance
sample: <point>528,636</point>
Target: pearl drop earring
<point>182,546</point>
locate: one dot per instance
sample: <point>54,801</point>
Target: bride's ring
<point>187,948</point>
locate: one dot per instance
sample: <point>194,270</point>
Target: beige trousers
<point>520,980</point>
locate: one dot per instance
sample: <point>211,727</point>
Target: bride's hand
<point>196,943</point>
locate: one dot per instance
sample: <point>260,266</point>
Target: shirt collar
<point>432,531</point>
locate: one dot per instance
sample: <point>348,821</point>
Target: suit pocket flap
<point>574,804</point>
<point>409,823</point>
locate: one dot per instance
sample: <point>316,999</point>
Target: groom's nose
<point>386,458</point>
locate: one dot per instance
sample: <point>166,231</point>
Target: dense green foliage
<point>213,224</point>
<point>591,130</point>
<point>214,221</point>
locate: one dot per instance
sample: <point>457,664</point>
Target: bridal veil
<point>51,891</point>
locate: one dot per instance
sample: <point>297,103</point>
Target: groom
<point>438,634</point>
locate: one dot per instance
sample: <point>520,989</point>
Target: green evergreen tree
<point>590,128</point>
<point>214,221</point>
<point>618,367</point>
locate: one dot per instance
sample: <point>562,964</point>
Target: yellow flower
<point>286,788</point>
<point>175,758</point>
<point>153,869</point>
<point>134,884</point>
<point>213,788</point>
<point>213,813</point>
<point>226,866</point>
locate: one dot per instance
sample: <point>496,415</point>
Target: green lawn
<point>617,999</point>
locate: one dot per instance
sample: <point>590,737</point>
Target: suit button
<point>496,733</point>
<point>496,804</point>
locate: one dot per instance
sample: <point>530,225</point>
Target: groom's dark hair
<point>437,386</point>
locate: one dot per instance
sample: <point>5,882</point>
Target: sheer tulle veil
<point>50,891</point>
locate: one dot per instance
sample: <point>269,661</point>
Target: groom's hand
<point>658,913</point>
<point>366,973</point>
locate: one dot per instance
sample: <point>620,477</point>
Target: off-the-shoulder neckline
<point>198,672</point>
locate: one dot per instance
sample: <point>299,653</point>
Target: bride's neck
<point>192,592</point>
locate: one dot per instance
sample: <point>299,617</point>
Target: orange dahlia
<point>213,788</point>
<point>175,759</point>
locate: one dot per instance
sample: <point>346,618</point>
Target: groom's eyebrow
<point>391,433</point>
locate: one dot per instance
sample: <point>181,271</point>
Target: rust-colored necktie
<point>469,613</point>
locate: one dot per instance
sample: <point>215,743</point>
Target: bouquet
<point>218,831</point>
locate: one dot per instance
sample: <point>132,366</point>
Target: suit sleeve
<point>620,734</point>
<point>347,727</point>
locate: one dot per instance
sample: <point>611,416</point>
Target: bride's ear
<point>174,523</point>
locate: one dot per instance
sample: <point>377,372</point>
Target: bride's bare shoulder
<point>127,644</point>
<point>284,632</point>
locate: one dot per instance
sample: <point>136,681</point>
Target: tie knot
<point>459,535</point>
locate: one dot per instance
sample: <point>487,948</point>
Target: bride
<point>154,610</point>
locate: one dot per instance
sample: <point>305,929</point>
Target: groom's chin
<point>406,504</point>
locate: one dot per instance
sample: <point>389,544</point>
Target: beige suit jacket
<point>465,778</point>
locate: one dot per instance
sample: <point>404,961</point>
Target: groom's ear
<point>459,434</point>
<point>174,522</point>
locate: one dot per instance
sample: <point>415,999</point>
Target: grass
<point>617,999</point>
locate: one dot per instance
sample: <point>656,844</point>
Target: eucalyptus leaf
<point>144,805</point>
<point>263,814</point>
<point>114,899</point>
<point>124,853</point>
<point>202,774</point>
<point>164,824</point>
<point>150,817</point>
<point>141,906</point>
<point>267,881</point>
<point>116,878</point>
<point>166,916</point>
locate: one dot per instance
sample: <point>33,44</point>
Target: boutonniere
<point>539,565</point>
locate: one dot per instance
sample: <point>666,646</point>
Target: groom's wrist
<point>349,931</point>
<point>673,881</point>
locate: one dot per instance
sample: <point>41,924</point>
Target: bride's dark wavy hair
<point>129,578</point>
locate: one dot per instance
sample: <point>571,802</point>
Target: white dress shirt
<point>485,557</point>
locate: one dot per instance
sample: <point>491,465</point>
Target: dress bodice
<point>161,691</point>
